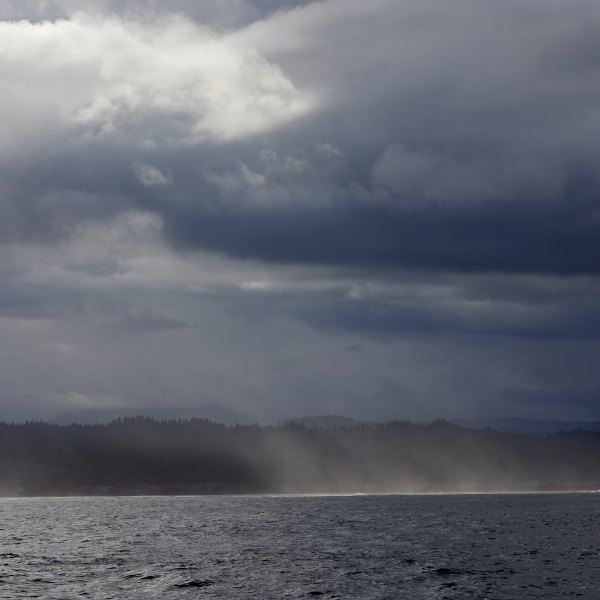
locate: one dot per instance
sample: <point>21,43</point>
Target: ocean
<point>228,547</point>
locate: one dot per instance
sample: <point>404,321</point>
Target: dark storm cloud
<point>259,189</point>
<point>290,218</point>
<point>486,166</point>
<point>385,314</point>
<point>468,145</point>
<point>563,238</point>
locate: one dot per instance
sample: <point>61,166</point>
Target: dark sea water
<point>430,547</point>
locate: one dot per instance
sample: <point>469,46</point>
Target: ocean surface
<point>431,547</point>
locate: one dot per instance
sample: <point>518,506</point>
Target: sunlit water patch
<point>430,547</point>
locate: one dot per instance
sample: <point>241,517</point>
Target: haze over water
<point>370,547</point>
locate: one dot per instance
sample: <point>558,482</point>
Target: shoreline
<point>302,494</point>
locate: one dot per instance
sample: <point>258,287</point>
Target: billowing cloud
<point>173,82</point>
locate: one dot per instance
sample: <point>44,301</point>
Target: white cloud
<point>169,82</point>
<point>329,150</point>
<point>231,182</point>
<point>151,176</point>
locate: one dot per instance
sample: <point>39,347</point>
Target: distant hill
<point>515,425</point>
<point>510,425</point>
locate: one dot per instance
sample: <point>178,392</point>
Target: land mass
<point>142,456</point>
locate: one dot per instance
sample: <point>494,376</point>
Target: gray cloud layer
<point>415,180</point>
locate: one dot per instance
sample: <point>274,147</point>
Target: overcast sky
<point>382,209</point>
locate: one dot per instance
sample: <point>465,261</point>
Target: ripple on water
<point>195,583</point>
<point>367,547</point>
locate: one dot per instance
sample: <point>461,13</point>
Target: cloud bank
<point>389,209</point>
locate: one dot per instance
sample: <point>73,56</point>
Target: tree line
<point>145,456</point>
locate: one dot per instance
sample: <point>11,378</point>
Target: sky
<point>385,209</point>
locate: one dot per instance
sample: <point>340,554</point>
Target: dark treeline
<point>144,456</point>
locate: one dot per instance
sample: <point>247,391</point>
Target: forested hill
<point>144,456</point>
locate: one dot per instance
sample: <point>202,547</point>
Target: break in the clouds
<point>387,209</point>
